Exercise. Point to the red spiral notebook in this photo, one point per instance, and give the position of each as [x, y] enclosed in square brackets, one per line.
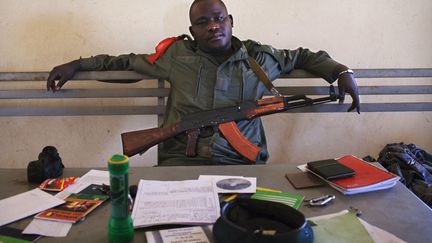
[367, 177]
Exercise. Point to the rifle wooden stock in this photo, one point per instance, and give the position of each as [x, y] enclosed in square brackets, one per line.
[136, 142]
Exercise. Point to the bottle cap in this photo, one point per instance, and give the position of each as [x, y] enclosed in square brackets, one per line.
[118, 159]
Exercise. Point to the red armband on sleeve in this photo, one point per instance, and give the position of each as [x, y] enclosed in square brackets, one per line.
[161, 48]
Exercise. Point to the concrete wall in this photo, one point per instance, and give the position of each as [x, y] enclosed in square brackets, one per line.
[37, 35]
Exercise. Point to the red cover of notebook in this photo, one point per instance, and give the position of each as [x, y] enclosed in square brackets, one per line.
[366, 174]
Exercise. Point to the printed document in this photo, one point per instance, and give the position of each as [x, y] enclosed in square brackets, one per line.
[195, 234]
[192, 202]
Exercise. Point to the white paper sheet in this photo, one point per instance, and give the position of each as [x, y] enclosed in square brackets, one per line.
[379, 235]
[175, 202]
[197, 234]
[26, 204]
[48, 228]
[96, 177]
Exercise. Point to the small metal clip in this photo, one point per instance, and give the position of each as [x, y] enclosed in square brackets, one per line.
[321, 201]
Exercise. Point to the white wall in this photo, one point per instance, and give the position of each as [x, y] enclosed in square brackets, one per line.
[37, 35]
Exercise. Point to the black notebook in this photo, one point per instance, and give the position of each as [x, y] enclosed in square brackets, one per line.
[330, 169]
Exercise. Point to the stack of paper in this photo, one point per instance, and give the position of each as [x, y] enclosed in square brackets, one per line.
[367, 177]
[191, 202]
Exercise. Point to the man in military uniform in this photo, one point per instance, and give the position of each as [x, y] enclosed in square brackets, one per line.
[213, 71]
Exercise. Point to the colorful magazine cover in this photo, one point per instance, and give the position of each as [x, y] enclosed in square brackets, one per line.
[57, 184]
[77, 206]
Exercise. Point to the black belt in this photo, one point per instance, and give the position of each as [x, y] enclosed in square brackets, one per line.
[246, 220]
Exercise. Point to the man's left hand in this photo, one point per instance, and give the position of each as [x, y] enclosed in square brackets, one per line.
[347, 83]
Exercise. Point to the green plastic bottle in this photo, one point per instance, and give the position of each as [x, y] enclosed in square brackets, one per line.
[120, 226]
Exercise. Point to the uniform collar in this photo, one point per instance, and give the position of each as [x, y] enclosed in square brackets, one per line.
[239, 54]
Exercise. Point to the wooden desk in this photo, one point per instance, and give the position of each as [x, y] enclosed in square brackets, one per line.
[396, 210]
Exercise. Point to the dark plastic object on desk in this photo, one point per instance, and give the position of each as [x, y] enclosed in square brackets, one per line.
[48, 165]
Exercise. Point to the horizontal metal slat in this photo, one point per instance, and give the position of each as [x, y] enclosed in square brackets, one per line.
[363, 90]
[393, 73]
[80, 111]
[163, 92]
[85, 75]
[372, 73]
[83, 93]
[368, 107]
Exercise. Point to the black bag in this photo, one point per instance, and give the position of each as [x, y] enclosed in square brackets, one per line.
[413, 165]
[247, 220]
[48, 165]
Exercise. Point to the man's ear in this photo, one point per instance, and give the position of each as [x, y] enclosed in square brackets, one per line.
[231, 19]
[191, 31]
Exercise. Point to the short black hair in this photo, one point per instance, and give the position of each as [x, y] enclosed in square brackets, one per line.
[197, 1]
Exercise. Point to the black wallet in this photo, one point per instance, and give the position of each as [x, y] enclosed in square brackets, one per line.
[330, 169]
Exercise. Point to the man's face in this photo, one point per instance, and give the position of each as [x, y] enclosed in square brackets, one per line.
[211, 26]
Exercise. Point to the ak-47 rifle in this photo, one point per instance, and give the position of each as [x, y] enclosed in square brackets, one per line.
[135, 142]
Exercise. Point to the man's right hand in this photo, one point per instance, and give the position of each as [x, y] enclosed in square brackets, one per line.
[62, 73]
